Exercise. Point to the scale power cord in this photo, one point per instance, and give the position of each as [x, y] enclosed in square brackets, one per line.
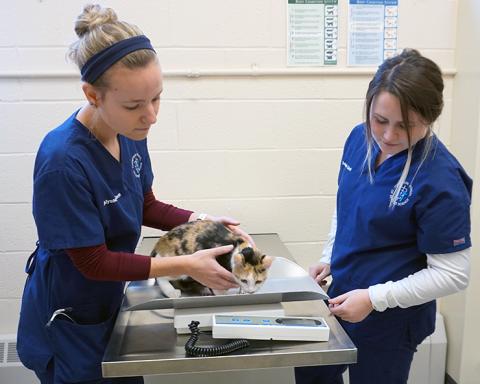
[210, 350]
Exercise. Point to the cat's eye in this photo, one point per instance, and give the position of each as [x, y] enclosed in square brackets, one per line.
[244, 281]
[258, 281]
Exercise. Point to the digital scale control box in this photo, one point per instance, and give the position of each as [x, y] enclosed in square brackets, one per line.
[269, 328]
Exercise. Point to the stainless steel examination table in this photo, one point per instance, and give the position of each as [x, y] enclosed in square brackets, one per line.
[144, 340]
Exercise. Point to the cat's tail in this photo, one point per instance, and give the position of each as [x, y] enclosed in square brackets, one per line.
[153, 253]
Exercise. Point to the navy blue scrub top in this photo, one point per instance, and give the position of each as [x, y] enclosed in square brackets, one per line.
[82, 197]
[375, 243]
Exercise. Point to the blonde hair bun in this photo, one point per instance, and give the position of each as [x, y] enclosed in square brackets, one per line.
[94, 15]
[97, 28]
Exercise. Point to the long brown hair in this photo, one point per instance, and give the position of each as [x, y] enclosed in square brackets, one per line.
[417, 83]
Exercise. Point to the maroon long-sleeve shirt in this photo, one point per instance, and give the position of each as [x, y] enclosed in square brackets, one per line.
[99, 263]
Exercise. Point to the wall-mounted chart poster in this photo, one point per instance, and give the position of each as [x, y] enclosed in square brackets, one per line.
[312, 30]
[372, 31]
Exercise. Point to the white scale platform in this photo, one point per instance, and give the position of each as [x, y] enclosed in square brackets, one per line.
[287, 281]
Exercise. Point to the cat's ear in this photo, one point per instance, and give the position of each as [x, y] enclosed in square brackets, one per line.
[238, 241]
[267, 261]
[247, 252]
[238, 259]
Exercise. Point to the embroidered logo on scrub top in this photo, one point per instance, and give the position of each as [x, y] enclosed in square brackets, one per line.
[347, 167]
[404, 194]
[112, 201]
[136, 164]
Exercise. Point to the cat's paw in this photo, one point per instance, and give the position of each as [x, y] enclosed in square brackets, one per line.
[173, 293]
[218, 292]
[206, 292]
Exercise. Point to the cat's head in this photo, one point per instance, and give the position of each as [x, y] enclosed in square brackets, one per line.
[250, 268]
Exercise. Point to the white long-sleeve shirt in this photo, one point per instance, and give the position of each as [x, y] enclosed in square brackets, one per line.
[445, 274]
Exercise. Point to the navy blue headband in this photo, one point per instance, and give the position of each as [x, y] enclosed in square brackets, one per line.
[101, 61]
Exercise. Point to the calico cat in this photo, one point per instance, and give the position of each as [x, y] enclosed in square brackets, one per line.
[248, 264]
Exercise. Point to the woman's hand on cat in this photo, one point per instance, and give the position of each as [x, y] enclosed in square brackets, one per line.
[234, 226]
[204, 268]
[319, 272]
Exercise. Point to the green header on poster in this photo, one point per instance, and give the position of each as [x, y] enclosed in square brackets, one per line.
[326, 2]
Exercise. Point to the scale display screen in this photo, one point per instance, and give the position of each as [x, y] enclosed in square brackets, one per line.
[273, 321]
[269, 327]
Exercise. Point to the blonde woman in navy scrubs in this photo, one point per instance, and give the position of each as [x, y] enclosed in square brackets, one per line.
[92, 194]
[400, 236]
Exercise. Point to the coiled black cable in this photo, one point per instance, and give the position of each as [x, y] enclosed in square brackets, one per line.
[210, 350]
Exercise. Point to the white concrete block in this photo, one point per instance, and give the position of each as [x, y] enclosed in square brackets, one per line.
[163, 134]
[276, 88]
[45, 59]
[236, 174]
[278, 28]
[298, 87]
[191, 59]
[267, 124]
[191, 89]
[9, 25]
[197, 24]
[9, 59]
[24, 124]
[10, 310]
[12, 265]
[448, 82]
[426, 24]
[49, 23]
[58, 89]
[255, 58]
[342, 58]
[443, 126]
[18, 228]
[220, 23]
[151, 16]
[248, 23]
[10, 90]
[342, 10]
[16, 178]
